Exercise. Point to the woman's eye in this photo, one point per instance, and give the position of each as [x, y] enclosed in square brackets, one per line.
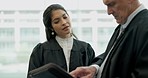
[65, 17]
[56, 22]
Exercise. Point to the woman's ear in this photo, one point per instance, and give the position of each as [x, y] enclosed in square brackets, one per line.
[51, 29]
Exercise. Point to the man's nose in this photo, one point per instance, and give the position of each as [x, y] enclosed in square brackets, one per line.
[109, 10]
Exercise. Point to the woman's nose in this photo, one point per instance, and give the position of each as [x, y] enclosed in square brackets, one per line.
[64, 21]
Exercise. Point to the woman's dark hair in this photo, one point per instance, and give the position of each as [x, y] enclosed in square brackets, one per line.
[47, 20]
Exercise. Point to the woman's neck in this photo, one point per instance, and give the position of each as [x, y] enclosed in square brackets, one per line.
[66, 36]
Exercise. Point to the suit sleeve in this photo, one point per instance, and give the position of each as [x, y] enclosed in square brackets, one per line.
[35, 60]
[141, 57]
[98, 60]
[91, 53]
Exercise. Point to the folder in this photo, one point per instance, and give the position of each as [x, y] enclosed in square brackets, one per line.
[53, 69]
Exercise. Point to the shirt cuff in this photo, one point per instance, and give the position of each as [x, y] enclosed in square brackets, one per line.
[97, 67]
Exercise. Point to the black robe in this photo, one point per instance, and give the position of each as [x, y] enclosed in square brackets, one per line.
[129, 57]
[82, 54]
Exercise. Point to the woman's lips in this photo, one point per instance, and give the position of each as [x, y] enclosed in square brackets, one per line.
[65, 28]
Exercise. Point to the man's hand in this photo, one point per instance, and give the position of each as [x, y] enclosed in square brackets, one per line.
[84, 72]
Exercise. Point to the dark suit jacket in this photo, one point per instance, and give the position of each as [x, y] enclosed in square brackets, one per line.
[129, 57]
[82, 54]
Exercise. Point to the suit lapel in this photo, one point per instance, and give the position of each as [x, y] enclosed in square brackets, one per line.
[113, 45]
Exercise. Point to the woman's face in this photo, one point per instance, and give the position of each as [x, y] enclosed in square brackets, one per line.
[61, 23]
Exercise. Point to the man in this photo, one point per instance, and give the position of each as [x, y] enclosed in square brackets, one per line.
[126, 55]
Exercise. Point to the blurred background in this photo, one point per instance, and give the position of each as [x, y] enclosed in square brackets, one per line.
[21, 28]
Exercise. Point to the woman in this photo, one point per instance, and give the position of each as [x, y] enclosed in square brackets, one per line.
[61, 47]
